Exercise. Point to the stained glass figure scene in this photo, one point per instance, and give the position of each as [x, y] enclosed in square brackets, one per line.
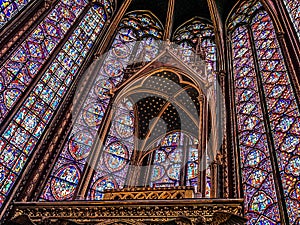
[28, 125]
[175, 162]
[10, 9]
[132, 34]
[187, 37]
[114, 162]
[23, 64]
[278, 98]
[293, 9]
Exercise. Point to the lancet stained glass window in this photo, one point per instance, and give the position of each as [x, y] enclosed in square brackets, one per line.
[187, 36]
[10, 8]
[258, 178]
[167, 162]
[113, 165]
[176, 160]
[293, 8]
[28, 125]
[18, 71]
[272, 79]
[136, 31]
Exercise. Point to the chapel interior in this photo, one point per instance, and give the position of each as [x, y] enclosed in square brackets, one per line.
[139, 112]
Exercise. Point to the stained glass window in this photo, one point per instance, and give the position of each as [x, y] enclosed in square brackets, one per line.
[282, 114]
[132, 34]
[172, 163]
[28, 125]
[293, 8]
[112, 168]
[208, 178]
[10, 8]
[187, 36]
[18, 71]
[175, 162]
[147, 32]
[168, 162]
[258, 179]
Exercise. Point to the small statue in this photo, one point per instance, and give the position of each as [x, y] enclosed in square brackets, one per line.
[199, 51]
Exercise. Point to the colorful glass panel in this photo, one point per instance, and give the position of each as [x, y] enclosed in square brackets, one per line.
[10, 8]
[148, 32]
[282, 114]
[18, 71]
[283, 111]
[208, 181]
[98, 98]
[168, 162]
[293, 8]
[176, 160]
[29, 123]
[187, 37]
[241, 15]
[143, 24]
[257, 176]
[192, 163]
[115, 157]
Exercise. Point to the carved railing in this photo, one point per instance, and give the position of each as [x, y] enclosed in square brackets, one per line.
[150, 193]
[129, 211]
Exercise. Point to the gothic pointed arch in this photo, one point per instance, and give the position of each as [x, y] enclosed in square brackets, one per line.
[187, 36]
[166, 125]
[135, 38]
[266, 114]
